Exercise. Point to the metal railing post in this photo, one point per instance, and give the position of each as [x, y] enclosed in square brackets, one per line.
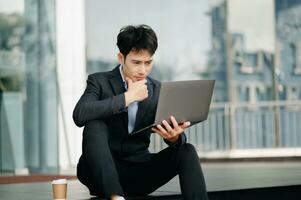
[232, 125]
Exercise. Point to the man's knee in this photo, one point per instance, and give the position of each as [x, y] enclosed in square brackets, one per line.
[187, 148]
[187, 151]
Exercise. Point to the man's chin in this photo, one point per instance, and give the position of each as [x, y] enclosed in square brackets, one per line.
[138, 79]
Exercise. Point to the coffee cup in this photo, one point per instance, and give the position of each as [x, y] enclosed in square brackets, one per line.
[59, 189]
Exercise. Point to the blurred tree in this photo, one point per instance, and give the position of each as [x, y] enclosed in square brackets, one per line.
[11, 34]
[11, 42]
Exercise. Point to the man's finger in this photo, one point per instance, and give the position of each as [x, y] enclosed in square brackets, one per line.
[156, 130]
[174, 123]
[167, 127]
[163, 131]
[185, 125]
[142, 82]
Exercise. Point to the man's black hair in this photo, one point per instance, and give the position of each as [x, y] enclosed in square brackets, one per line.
[137, 38]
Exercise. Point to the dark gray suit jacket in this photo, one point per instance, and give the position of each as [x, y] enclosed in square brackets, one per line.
[104, 100]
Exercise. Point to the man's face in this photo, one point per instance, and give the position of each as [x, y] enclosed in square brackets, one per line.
[136, 65]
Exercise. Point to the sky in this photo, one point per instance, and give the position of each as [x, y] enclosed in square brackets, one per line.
[182, 28]
[256, 20]
[10, 6]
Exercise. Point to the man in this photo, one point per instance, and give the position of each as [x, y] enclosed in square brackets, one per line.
[115, 163]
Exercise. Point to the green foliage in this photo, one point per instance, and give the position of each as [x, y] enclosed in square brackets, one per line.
[9, 84]
[9, 27]
[11, 38]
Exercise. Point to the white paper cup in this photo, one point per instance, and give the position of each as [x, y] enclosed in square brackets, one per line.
[59, 189]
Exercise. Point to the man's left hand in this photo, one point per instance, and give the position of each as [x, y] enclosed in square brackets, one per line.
[169, 133]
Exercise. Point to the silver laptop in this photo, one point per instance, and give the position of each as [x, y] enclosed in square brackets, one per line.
[185, 100]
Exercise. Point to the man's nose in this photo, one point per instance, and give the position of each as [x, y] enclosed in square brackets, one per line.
[142, 69]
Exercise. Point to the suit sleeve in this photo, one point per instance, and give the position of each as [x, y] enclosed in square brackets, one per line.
[91, 107]
[182, 140]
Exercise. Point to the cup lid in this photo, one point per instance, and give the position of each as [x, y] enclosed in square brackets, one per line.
[59, 181]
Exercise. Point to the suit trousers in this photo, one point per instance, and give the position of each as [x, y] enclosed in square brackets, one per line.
[105, 175]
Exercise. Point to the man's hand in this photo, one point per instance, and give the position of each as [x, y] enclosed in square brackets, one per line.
[137, 91]
[169, 133]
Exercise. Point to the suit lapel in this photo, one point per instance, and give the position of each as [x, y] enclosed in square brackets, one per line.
[117, 85]
[116, 81]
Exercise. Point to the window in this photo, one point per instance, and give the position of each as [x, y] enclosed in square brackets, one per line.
[297, 58]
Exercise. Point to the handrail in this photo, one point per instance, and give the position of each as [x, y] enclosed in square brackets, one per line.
[257, 104]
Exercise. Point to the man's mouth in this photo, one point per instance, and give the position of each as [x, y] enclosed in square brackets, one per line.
[139, 78]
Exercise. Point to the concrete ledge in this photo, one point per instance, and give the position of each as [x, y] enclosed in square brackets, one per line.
[253, 154]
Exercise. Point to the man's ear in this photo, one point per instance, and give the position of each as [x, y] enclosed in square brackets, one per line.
[120, 58]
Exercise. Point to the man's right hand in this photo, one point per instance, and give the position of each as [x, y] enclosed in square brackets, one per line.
[137, 91]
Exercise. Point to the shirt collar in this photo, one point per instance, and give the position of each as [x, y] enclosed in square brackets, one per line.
[124, 82]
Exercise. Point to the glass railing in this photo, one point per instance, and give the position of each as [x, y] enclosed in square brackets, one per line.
[264, 125]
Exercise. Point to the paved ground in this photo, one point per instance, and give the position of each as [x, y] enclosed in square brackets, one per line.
[219, 177]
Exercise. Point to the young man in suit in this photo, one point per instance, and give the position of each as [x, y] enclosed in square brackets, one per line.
[115, 163]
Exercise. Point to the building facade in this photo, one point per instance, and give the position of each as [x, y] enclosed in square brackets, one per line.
[288, 32]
